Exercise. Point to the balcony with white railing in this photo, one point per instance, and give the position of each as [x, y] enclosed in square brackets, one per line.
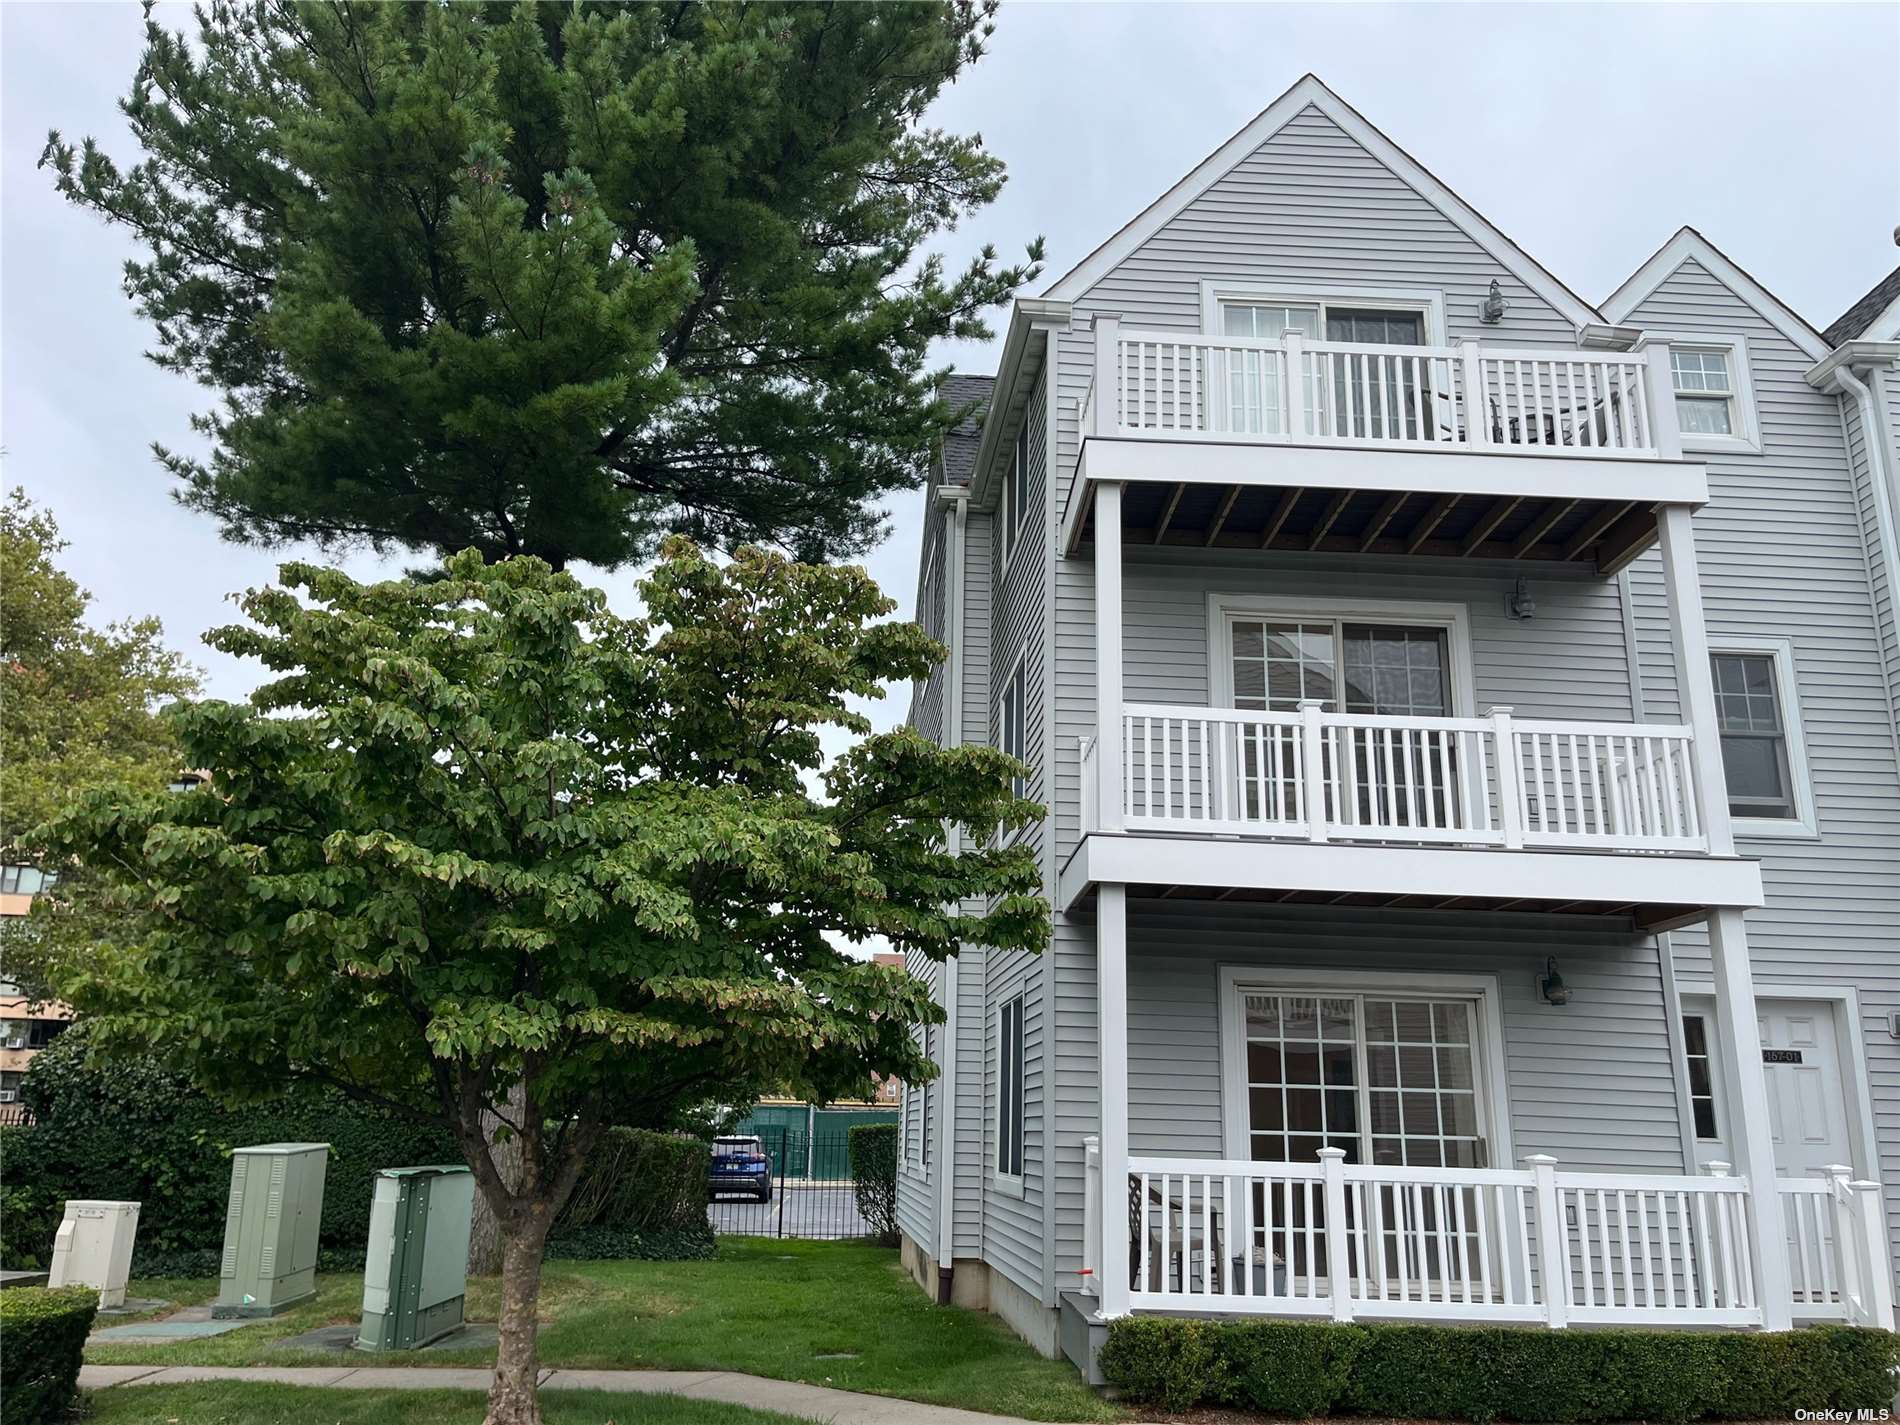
[1493, 781]
[1530, 1245]
[1540, 454]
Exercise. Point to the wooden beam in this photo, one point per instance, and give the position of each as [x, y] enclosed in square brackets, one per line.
[1626, 539]
[1325, 525]
[1167, 515]
[1382, 519]
[1220, 516]
[1554, 512]
[1594, 527]
[1499, 512]
[1434, 517]
[1279, 515]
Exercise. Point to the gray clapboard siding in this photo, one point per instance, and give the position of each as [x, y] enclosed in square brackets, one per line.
[1308, 206]
[1782, 553]
[927, 693]
[916, 1184]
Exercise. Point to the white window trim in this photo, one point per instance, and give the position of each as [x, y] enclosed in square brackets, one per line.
[911, 1160]
[1804, 825]
[1428, 302]
[1018, 667]
[1011, 1183]
[1455, 618]
[1493, 1098]
[1746, 438]
[1703, 1008]
[1009, 519]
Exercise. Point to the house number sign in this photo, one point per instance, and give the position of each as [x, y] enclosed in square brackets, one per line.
[1781, 1056]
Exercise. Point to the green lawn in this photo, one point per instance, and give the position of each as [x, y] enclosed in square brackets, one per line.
[243, 1403]
[824, 1312]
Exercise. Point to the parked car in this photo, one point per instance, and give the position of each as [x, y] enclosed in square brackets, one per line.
[739, 1164]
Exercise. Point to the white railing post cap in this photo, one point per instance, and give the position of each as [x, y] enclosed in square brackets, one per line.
[1718, 1168]
[1332, 1152]
[1101, 317]
[1539, 1159]
[1500, 708]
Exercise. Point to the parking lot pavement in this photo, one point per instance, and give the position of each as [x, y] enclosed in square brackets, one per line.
[821, 1211]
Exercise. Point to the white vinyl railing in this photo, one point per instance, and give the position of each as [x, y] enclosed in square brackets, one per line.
[1174, 385]
[1837, 1259]
[1326, 776]
[1533, 1245]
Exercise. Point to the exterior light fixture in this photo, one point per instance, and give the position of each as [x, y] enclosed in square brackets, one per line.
[1520, 604]
[1493, 308]
[1551, 985]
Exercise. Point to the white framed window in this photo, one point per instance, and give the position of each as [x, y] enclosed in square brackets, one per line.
[1412, 316]
[1714, 391]
[1392, 1068]
[1009, 1091]
[1013, 504]
[1011, 721]
[1764, 755]
[1385, 656]
[1698, 1038]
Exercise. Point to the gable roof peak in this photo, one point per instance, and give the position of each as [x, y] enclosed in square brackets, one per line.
[1688, 244]
[1309, 91]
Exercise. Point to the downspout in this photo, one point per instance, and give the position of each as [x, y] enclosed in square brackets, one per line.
[955, 519]
[1875, 441]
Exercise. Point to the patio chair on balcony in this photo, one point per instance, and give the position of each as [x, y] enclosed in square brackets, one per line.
[1189, 1227]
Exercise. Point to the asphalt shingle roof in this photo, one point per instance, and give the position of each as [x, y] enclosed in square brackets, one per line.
[1855, 319]
[959, 446]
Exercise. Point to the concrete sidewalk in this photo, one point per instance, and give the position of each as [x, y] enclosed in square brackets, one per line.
[815, 1402]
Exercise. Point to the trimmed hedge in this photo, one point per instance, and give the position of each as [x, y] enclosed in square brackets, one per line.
[45, 1334]
[1465, 1373]
[873, 1148]
[602, 1242]
[135, 1130]
[642, 1182]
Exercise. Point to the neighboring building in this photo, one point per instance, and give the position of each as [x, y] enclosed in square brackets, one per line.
[25, 1027]
[1467, 719]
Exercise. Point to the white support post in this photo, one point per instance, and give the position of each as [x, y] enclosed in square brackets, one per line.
[1108, 375]
[1108, 654]
[1873, 1237]
[1665, 426]
[1092, 1215]
[1695, 685]
[1293, 385]
[1111, 1019]
[1332, 1164]
[1510, 779]
[1477, 403]
[1846, 1234]
[1553, 1242]
[1313, 767]
[1739, 1034]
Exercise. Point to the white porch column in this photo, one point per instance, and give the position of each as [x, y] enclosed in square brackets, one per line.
[1108, 658]
[1111, 1021]
[1695, 686]
[1739, 1037]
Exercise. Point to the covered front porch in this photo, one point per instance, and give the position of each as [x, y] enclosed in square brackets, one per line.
[1322, 1113]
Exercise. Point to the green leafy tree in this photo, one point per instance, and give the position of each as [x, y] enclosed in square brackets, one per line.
[553, 279]
[78, 704]
[480, 832]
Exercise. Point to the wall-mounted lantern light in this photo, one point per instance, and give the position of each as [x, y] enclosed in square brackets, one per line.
[1520, 603]
[1551, 985]
[1493, 308]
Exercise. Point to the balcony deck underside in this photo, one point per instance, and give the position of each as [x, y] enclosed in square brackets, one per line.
[1649, 892]
[1597, 515]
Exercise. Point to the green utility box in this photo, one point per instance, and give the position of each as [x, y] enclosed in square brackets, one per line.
[417, 1270]
[270, 1229]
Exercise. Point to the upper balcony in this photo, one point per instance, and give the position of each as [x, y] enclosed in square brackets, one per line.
[1543, 455]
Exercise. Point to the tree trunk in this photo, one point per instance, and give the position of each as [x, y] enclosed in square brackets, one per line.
[512, 1398]
[484, 1232]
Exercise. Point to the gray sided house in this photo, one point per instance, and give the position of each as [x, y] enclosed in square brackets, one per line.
[1466, 716]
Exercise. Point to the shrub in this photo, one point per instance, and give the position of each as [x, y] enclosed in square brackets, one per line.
[134, 1129]
[642, 1182]
[873, 1150]
[628, 1244]
[45, 1333]
[1466, 1373]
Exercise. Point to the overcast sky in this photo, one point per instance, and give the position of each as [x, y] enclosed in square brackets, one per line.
[1588, 133]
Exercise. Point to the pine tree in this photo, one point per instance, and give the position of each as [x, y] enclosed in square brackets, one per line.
[553, 279]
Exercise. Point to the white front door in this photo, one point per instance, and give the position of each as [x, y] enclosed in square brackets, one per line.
[1801, 1062]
